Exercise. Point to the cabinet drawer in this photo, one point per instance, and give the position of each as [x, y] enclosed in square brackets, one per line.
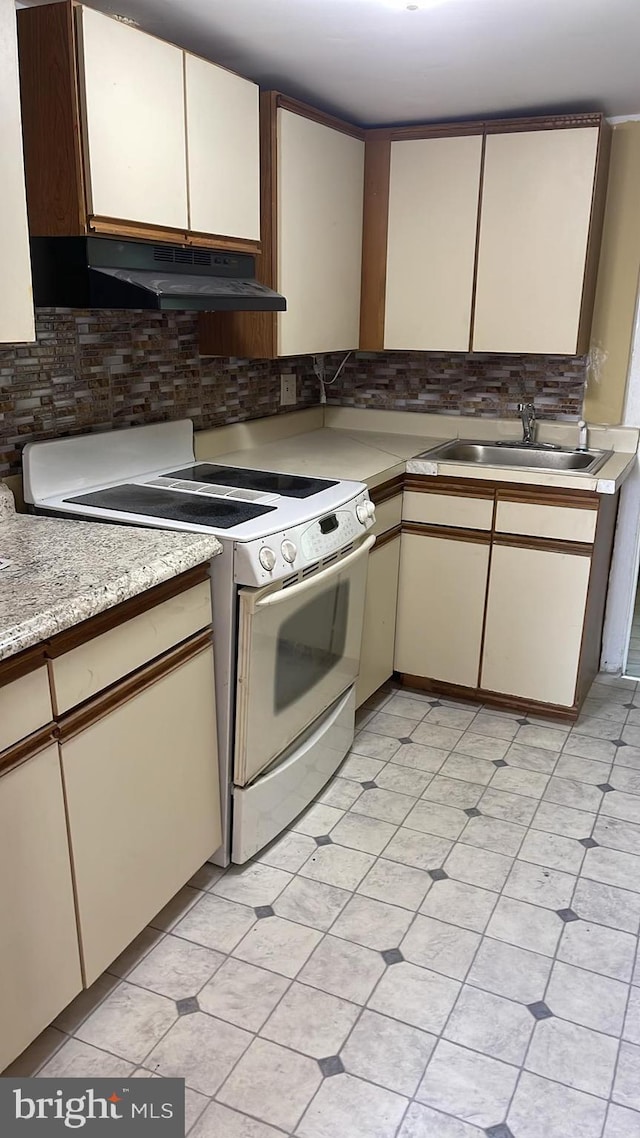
[448, 510]
[88, 669]
[25, 705]
[561, 522]
[388, 515]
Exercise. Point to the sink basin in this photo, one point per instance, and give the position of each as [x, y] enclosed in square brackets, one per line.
[529, 456]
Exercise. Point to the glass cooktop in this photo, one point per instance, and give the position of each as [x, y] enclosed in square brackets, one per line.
[290, 485]
[219, 513]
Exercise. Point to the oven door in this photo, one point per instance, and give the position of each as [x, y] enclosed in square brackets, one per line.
[298, 650]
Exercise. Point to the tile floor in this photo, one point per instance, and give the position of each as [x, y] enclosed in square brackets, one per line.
[633, 659]
[443, 946]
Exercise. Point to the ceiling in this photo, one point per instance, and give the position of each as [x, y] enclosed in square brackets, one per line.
[376, 62]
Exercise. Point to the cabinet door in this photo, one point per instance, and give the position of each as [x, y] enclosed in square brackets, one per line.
[534, 228]
[319, 235]
[379, 630]
[16, 300]
[223, 148]
[39, 958]
[134, 123]
[441, 598]
[144, 806]
[431, 248]
[535, 617]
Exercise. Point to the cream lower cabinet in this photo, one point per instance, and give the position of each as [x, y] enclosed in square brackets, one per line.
[39, 958]
[379, 632]
[535, 619]
[441, 599]
[143, 800]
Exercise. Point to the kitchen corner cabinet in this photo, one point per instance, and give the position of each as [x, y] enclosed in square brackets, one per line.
[16, 299]
[502, 591]
[126, 135]
[379, 625]
[312, 210]
[483, 236]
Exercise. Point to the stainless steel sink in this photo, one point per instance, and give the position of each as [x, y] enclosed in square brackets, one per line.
[532, 456]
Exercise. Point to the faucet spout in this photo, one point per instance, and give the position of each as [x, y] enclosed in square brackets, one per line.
[527, 413]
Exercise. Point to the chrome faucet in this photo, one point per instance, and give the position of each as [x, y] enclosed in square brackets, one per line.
[528, 415]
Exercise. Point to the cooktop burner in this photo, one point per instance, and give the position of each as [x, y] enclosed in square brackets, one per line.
[148, 502]
[290, 485]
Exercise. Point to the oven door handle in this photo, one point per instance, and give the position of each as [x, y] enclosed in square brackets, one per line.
[282, 595]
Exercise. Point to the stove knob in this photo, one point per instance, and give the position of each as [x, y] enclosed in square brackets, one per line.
[267, 558]
[371, 510]
[289, 551]
[362, 513]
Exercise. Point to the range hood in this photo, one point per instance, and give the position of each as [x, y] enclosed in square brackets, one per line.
[100, 272]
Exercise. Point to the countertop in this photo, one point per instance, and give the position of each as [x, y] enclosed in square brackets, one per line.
[63, 572]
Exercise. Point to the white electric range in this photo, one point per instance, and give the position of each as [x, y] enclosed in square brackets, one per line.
[288, 597]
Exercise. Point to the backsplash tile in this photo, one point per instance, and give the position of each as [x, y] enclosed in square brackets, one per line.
[98, 369]
[460, 384]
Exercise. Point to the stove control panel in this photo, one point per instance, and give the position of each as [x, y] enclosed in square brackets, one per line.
[299, 547]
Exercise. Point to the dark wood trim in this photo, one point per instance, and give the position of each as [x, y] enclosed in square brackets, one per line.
[253, 335]
[384, 538]
[492, 699]
[15, 667]
[449, 533]
[487, 126]
[27, 748]
[78, 720]
[140, 231]
[375, 227]
[51, 121]
[476, 256]
[544, 544]
[119, 614]
[485, 611]
[543, 496]
[596, 225]
[386, 490]
[454, 488]
[591, 646]
[308, 112]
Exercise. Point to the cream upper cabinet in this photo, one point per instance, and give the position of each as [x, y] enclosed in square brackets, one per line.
[431, 246]
[536, 209]
[16, 300]
[134, 123]
[223, 150]
[319, 235]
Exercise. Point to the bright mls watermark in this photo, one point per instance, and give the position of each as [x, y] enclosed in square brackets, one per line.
[128, 1108]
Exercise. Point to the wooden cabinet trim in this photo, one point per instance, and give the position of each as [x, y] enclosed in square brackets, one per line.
[540, 496]
[434, 484]
[596, 224]
[449, 533]
[386, 537]
[139, 231]
[375, 230]
[27, 748]
[492, 699]
[474, 285]
[387, 490]
[486, 126]
[308, 112]
[119, 614]
[547, 545]
[21, 665]
[124, 690]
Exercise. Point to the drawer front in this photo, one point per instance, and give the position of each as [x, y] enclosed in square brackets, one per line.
[388, 515]
[448, 510]
[25, 706]
[88, 669]
[561, 522]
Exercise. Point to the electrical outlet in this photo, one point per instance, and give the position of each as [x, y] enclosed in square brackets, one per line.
[287, 390]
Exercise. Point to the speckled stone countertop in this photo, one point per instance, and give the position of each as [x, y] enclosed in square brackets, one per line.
[63, 572]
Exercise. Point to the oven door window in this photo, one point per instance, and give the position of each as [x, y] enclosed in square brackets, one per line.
[310, 644]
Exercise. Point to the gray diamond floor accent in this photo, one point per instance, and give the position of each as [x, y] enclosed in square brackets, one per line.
[262, 911]
[620, 743]
[437, 874]
[405, 740]
[539, 1010]
[588, 843]
[369, 785]
[500, 763]
[392, 956]
[567, 915]
[605, 787]
[332, 1065]
[472, 812]
[324, 839]
[501, 1131]
[523, 722]
[187, 1006]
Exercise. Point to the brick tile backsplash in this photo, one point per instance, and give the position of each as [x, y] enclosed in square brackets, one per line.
[97, 370]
